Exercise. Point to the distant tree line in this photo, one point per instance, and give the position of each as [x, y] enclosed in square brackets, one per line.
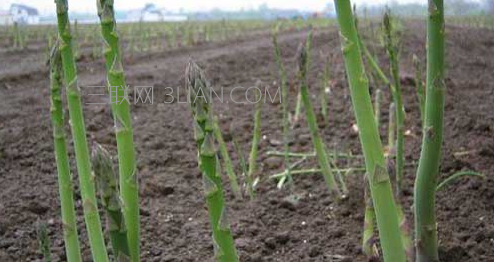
[452, 8]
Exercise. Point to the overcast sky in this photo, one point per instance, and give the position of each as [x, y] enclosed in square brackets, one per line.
[48, 6]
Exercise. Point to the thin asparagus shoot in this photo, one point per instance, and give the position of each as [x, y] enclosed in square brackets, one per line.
[298, 109]
[316, 170]
[373, 63]
[44, 241]
[369, 241]
[325, 89]
[341, 179]
[65, 187]
[282, 176]
[254, 146]
[86, 183]
[107, 184]
[241, 157]
[391, 129]
[208, 163]
[377, 107]
[380, 186]
[322, 157]
[284, 101]
[446, 182]
[420, 87]
[226, 159]
[313, 154]
[392, 48]
[127, 170]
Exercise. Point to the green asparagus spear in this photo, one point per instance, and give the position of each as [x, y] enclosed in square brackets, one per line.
[430, 156]
[227, 160]
[86, 183]
[107, 184]
[380, 186]
[203, 126]
[65, 186]
[322, 157]
[127, 170]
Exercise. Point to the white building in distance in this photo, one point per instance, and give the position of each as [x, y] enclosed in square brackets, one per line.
[23, 14]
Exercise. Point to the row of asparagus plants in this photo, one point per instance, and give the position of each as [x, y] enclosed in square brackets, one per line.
[391, 44]
[119, 195]
[326, 160]
[382, 205]
[123, 223]
[147, 36]
[431, 108]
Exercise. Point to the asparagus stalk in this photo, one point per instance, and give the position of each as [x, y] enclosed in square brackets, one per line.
[65, 187]
[15, 34]
[282, 176]
[322, 157]
[298, 109]
[241, 157]
[325, 87]
[393, 50]
[315, 170]
[313, 154]
[227, 160]
[43, 241]
[405, 231]
[107, 184]
[300, 103]
[380, 186]
[372, 62]
[123, 126]
[369, 246]
[377, 107]
[420, 87]
[254, 147]
[284, 101]
[203, 125]
[86, 183]
[430, 156]
[369, 240]
[338, 172]
[391, 129]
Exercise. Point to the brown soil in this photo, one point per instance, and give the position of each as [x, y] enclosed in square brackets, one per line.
[270, 228]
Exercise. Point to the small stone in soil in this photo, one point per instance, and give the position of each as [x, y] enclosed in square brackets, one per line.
[37, 208]
[270, 242]
[282, 237]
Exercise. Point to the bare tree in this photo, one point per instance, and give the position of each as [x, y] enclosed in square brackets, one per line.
[461, 7]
